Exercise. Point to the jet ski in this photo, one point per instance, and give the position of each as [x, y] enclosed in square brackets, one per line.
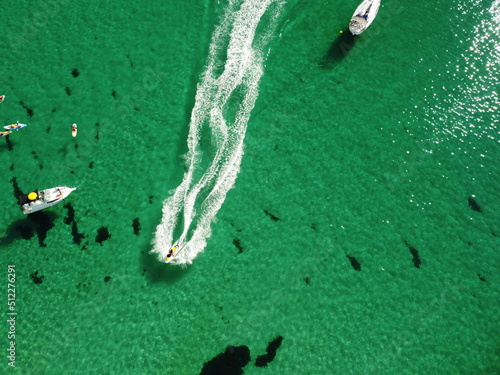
[174, 250]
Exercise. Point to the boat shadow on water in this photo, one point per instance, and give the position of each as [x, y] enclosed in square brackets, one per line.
[8, 143]
[38, 223]
[339, 49]
[157, 271]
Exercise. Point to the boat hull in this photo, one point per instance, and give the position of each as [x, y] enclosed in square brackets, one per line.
[16, 126]
[363, 16]
[40, 200]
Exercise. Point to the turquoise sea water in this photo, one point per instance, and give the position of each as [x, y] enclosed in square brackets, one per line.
[363, 224]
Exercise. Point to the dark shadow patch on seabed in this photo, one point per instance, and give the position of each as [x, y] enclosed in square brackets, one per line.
[339, 49]
[231, 362]
[97, 125]
[474, 205]
[102, 235]
[273, 218]
[29, 111]
[416, 258]
[83, 287]
[272, 348]
[136, 226]
[354, 263]
[38, 223]
[37, 279]
[71, 214]
[42, 222]
[237, 243]
[17, 190]
[77, 236]
[70, 220]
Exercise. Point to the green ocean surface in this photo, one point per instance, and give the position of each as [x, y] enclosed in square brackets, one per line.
[362, 227]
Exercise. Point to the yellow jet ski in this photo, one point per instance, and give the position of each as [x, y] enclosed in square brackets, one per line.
[172, 253]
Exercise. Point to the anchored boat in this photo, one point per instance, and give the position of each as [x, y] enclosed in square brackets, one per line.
[15, 126]
[363, 16]
[40, 199]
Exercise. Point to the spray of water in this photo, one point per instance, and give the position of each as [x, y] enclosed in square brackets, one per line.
[225, 97]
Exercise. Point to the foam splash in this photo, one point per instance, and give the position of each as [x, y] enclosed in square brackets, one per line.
[225, 97]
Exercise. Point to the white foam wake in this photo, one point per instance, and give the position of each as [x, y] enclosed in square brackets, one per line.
[224, 100]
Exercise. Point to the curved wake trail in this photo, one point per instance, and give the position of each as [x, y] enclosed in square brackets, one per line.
[224, 99]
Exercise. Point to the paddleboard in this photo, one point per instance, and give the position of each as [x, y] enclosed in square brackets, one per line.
[74, 130]
[5, 133]
[2, 97]
[15, 126]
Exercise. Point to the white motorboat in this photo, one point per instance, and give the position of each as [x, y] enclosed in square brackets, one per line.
[40, 199]
[364, 16]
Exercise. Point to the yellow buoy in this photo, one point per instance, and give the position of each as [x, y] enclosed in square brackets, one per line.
[32, 196]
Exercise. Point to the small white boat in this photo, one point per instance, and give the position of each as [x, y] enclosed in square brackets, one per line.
[40, 199]
[363, 16]
[15, 126]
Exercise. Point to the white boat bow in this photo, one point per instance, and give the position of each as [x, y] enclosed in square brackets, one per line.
[363, 16]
